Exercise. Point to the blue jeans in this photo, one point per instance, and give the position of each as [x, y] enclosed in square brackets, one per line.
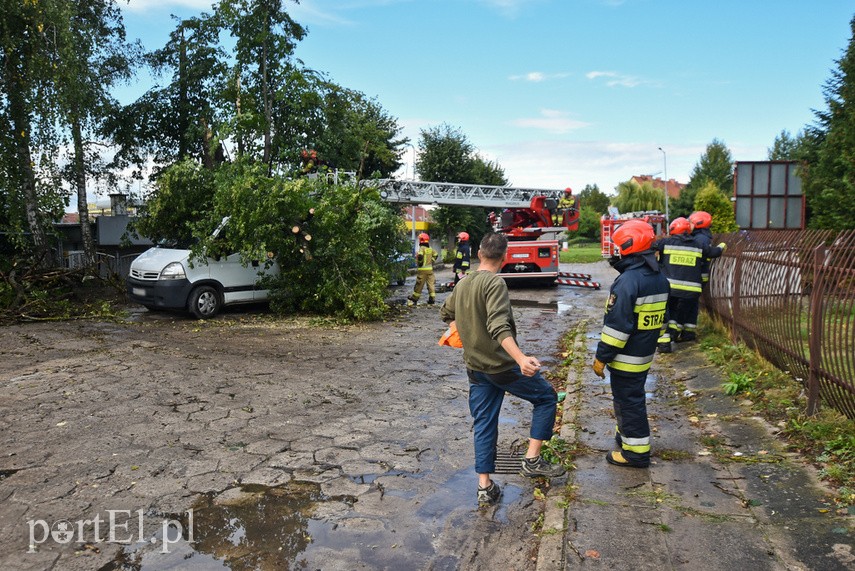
[486, 393]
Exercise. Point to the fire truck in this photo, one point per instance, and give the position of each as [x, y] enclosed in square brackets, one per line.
[610, 222]
[527, 216]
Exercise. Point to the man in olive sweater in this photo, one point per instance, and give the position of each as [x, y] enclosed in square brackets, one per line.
[481, 308]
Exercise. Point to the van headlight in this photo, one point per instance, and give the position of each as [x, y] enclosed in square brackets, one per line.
[173, 271]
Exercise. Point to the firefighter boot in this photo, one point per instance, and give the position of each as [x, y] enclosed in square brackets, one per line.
[412, 299]
[687, 335]
[431, 300]
[663, 344]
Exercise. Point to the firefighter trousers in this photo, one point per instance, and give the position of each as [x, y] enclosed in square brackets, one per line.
[630, 407]
[682, 315]
[425, 277]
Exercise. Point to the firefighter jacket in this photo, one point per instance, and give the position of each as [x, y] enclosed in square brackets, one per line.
[634, 315]
[461, 260]
[681, 257]
[425, 258]
[704, 237]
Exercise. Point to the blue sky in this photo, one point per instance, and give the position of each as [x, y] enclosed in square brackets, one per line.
[571, 92]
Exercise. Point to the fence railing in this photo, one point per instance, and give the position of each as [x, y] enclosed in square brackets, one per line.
[109, 265]
[790, 294]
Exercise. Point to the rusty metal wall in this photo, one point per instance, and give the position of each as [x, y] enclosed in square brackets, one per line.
[790, 294]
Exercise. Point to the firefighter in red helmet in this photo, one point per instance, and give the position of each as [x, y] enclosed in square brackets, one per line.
[634, 315]
[424, 271]
[701, 222]
[682, 256]
[462, 257]
[567, 203]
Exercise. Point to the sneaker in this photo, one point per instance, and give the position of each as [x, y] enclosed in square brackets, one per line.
[489, 495]
[538, 467]
[617, 459]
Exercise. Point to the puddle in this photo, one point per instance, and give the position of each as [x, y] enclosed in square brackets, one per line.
[254, 528]
[546, 306]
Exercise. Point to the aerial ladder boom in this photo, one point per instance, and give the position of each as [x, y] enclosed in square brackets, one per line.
[453, 194]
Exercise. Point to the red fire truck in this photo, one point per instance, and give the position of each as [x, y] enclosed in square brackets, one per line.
[531, 219]
[609, 223]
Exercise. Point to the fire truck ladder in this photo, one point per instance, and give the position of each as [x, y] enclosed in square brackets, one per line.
[453, 194]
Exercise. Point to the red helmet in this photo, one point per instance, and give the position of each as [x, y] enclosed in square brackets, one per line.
[700, 219]
[633, 236]
[424, 238]
[463, 236]
[680, 226]
[568, 191]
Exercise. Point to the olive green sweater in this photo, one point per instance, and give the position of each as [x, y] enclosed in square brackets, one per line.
[481, 307]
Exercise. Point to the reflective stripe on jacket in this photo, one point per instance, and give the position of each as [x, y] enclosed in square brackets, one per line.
[425, 258]
[682, 258]
[634, 315]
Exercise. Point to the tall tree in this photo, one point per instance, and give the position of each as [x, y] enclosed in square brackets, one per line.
[592, 197]
[716, 165]
[265, 38]
[92, 56]
[181, 118]
[28, 116]
[634, 197]
[829, 179]
[785, 147]
[446, 155]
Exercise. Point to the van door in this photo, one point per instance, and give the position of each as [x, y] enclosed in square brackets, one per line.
[238, 281]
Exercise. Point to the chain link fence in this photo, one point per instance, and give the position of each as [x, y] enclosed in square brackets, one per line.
[790, 294]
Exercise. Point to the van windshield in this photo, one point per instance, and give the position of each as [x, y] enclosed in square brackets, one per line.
[177, 244]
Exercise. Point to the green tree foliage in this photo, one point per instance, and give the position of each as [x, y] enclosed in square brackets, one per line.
[786, 147]
[829, 176]
[93, 56]
[183, 193]
[634, 197]
[338, 262]
[716, 165]
[711, 199]
[357, 134]
[446, 155]
[28, 119]
[182, 118]
[589, 223]
[593, 198]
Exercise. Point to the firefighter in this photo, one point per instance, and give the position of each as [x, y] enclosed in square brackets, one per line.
[634, 315]
[567, 202]
[424, 271]
[681, 256]
[701, 222]
[461, 258]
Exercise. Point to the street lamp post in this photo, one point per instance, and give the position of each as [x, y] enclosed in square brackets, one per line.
[413, 208]
[665, 174]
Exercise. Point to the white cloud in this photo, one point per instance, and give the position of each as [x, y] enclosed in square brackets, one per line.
[538, 76]
[614, 79]
[551, 120]
[557, 164]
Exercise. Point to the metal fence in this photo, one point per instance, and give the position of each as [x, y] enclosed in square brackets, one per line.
[109, 265]
[790, 294]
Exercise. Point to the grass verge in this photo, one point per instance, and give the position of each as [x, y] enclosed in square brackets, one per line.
[827, 439]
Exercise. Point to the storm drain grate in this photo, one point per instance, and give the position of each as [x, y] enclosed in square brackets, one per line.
[508, 463]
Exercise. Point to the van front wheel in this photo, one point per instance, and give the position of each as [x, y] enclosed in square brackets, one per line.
[204, 302]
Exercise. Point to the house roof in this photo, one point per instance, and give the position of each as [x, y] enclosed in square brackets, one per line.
[674, 187]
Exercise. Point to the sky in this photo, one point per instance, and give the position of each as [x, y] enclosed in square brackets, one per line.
[569, 92]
